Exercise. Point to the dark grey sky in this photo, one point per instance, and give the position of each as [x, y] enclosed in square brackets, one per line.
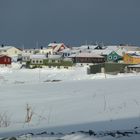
[70, 21]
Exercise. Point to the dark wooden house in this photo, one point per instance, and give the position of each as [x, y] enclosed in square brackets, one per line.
[88, 58]
[5, 60]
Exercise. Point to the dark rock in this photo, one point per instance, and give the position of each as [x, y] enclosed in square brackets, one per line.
[52, 133]
[12, 138]
[43, 133]
[91, 132]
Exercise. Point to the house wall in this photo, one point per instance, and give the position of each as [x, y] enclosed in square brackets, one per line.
[89, 60]
[132, 69]
[108, 68]
[25, 58]
[5, 60]
[131, 60]
[113, 57]
[128, 59]
[12, 52]
[37, 61]
[45, 51]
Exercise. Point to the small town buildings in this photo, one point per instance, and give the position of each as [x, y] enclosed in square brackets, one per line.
[113, 57]
[11, 51]
[47, 51]
[56, 47]
[26, 57]
[110, 68]
[37, 59]
[30, 51]
[132, 58]
[27, 53]
[133, 68]
[5, 60]
[54, 58]
[87, 58]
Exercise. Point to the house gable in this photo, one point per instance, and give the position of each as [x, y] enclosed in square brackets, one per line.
[113, 56]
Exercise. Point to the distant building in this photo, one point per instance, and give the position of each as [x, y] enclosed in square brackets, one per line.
[87, 58]
[37, 59]
[5, 60]
[10, 51]
[114, 57]
[132, 58]
[56, 47]
[133, 68]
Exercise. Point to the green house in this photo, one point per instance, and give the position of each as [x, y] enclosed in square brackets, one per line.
[113, 57]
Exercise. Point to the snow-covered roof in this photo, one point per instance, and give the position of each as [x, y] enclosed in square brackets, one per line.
[55, 44]
[2, 55]
[112, 47]
[102, 52]
[5, 47]
[66, 50]
[134, 52]
[72, 55]
[38, 56]
[130, 48]
[87, 55]
[88, 46]
[134, 66]
[134, 55]
[54, 56]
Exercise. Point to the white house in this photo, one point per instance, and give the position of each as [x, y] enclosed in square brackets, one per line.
[48, 50]
[30, 51]
[10, 51]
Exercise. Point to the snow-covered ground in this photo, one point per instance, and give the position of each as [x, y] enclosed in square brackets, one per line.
[68, 100]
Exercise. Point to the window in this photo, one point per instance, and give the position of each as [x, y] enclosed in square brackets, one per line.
[110, 57]
[115, 57]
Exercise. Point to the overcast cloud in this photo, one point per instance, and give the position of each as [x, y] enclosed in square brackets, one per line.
[74, 22]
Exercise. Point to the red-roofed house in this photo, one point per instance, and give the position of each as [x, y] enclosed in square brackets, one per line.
[57, 47]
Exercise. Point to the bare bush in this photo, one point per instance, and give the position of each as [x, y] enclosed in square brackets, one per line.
[29, 114]
[4, 120]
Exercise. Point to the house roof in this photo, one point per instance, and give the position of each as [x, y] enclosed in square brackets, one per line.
[88, 46]
[5, 47]
[66, 50]
[38, 56]
[54, 56]
[134, 66]
[102, 52]
[89, 55]
[2, 55]
[56, 46]
[134, 55]
[112, 47]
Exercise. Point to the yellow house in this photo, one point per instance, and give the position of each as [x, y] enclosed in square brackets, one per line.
[131, 58]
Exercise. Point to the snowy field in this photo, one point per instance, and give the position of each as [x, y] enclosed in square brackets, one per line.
[68, 100]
